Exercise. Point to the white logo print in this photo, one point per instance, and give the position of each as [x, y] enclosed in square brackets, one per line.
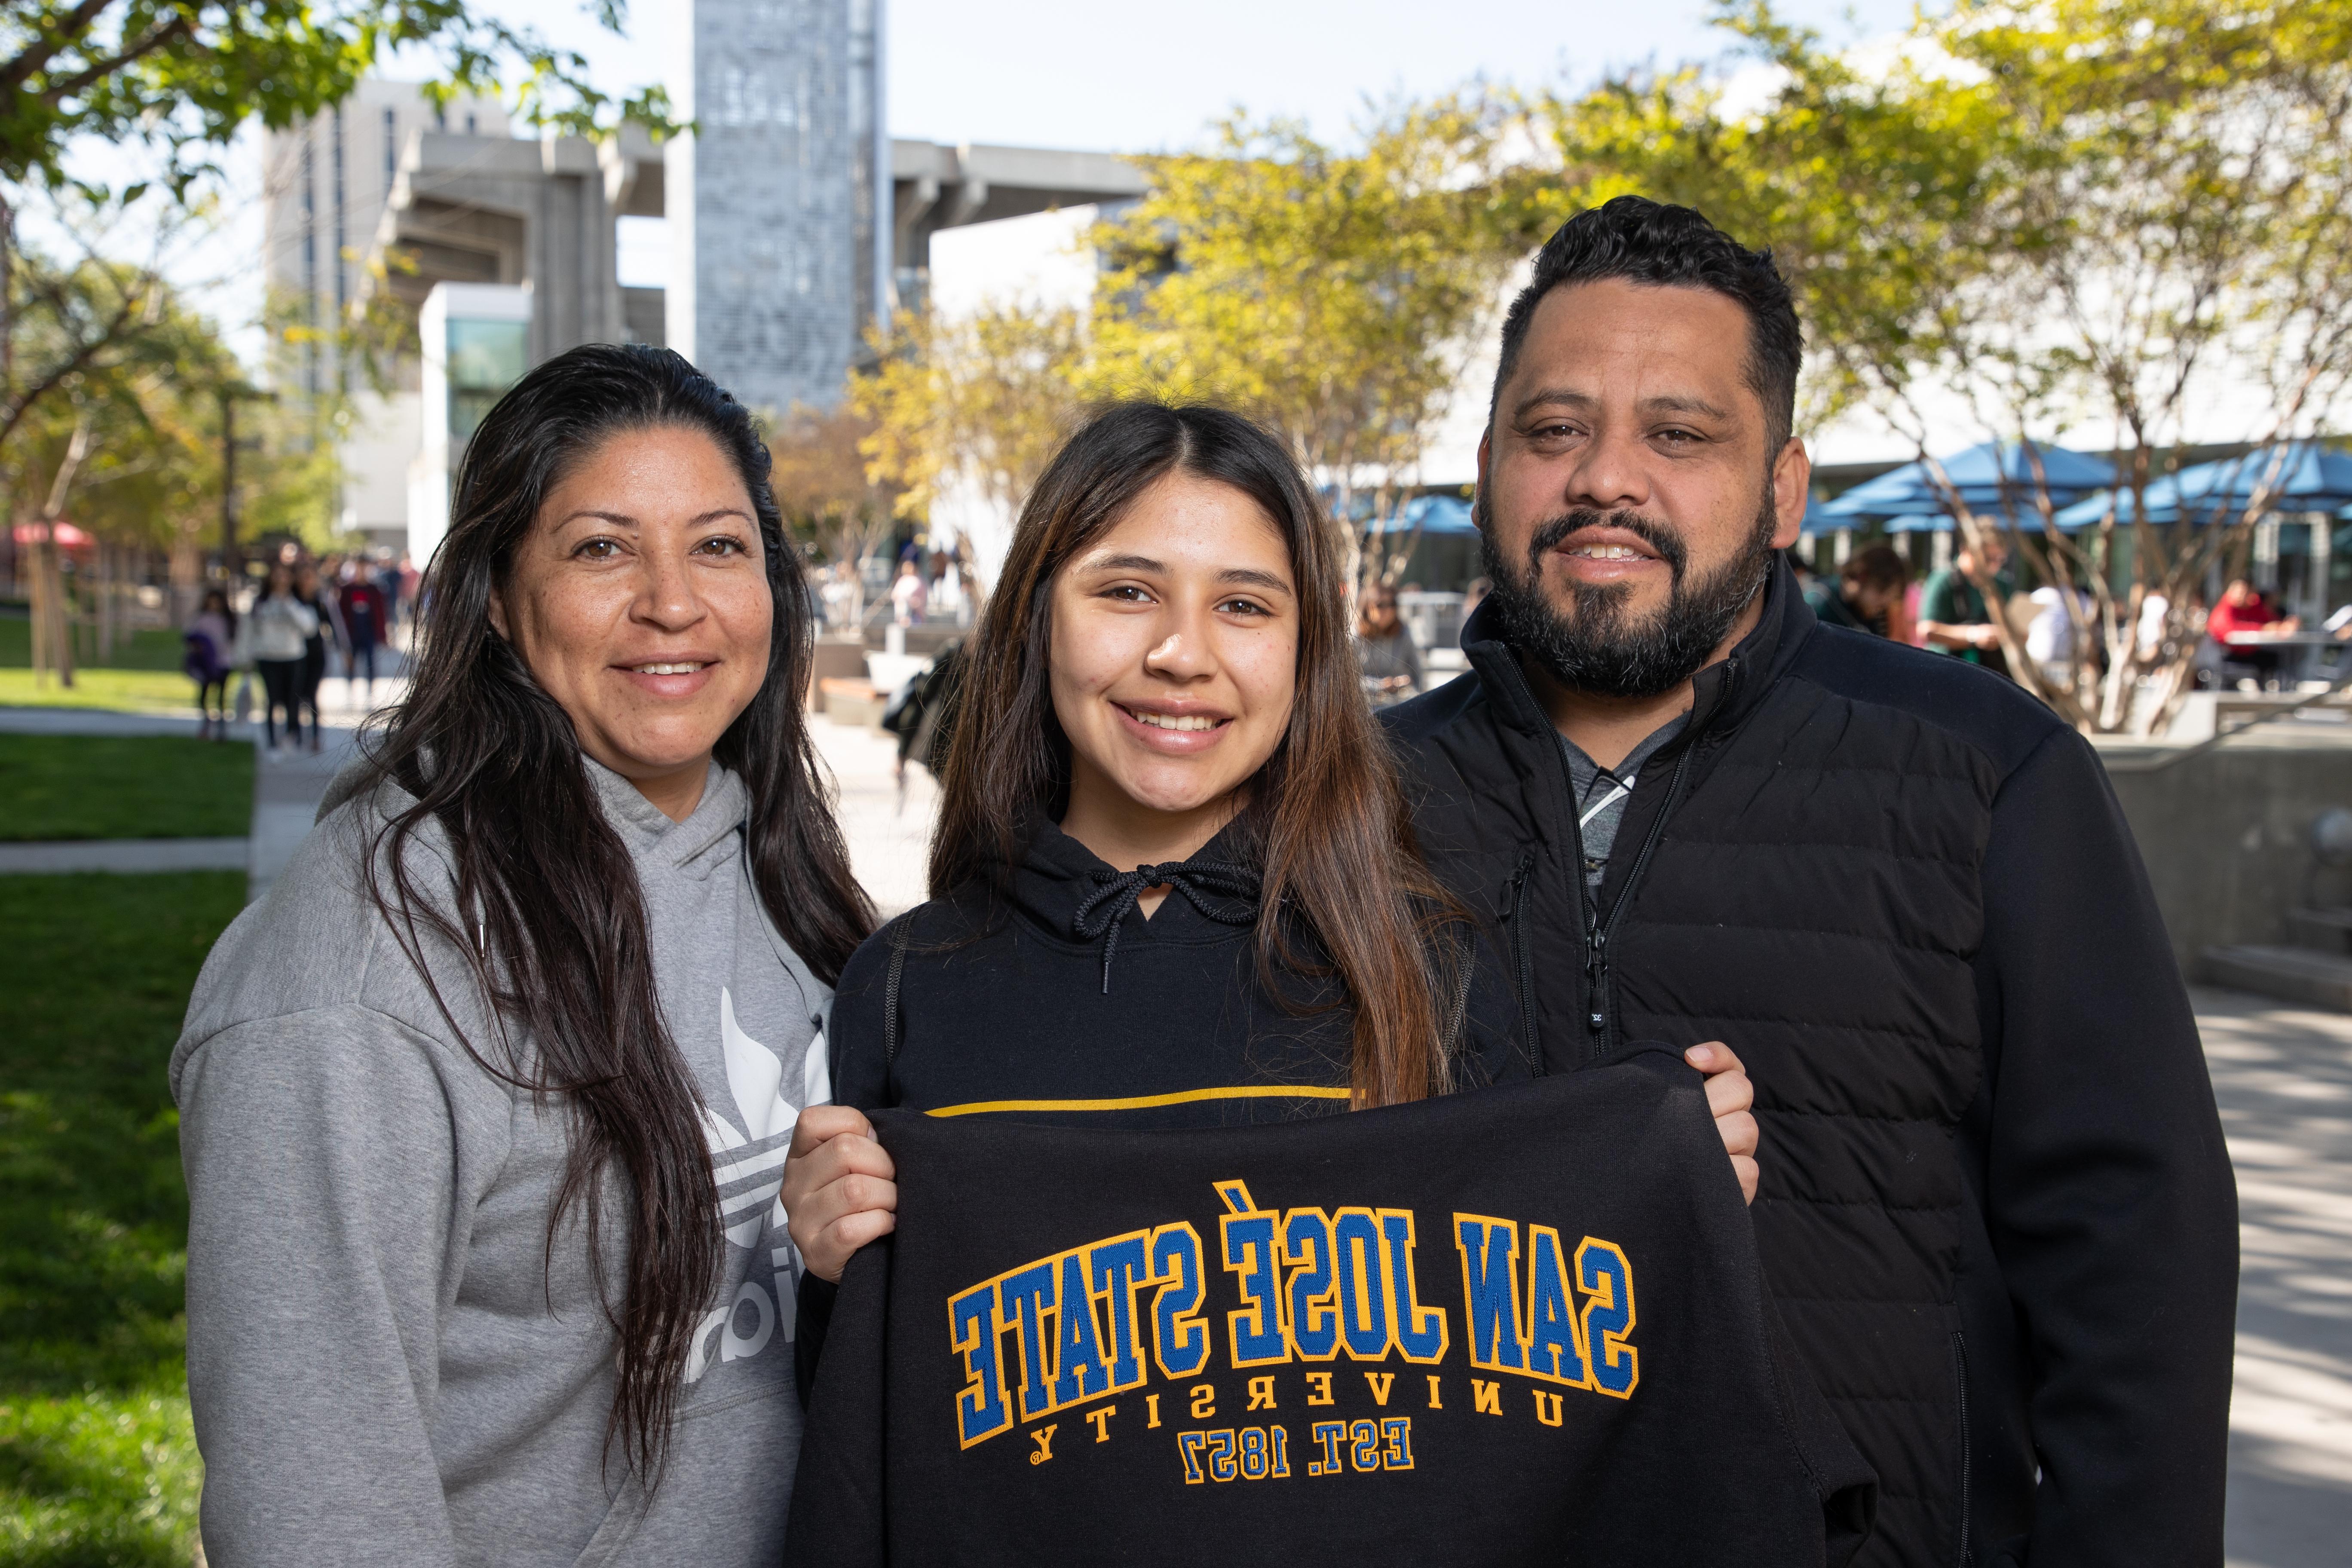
[749, 1171]
[755, 1076]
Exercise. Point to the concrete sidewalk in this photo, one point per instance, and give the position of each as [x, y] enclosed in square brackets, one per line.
[2284, 1079]
[287, 790]
[889, 829]
[91, 722]
[37, 858]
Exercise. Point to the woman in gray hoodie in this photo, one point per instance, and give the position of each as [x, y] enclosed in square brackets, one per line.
[485, 1107]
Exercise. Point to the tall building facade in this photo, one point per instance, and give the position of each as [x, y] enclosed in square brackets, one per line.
[778, 228]
[326, 182]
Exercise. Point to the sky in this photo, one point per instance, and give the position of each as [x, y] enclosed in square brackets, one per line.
[1121, 78]
[1144, 79]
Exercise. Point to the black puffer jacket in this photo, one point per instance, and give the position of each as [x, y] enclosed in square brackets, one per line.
[1995, 1207]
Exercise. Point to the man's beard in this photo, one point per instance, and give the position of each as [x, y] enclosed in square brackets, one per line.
[1594, 646]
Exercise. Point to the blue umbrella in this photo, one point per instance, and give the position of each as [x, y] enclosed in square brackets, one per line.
[1819, 521]
[1908, 500]
[2308, 477]
[1433, 514]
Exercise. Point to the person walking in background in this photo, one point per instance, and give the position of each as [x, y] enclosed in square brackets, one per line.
[282, 627]
[482, 1105]
[1954, 617]
[1866, 595]
[2050, 639]
[923, 716]
[310, 588]
[1385, 652]
[385, 575]
[209, 652]
[408, 584]
[366, 623]
[908, 596]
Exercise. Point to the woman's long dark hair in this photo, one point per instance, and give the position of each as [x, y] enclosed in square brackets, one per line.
[548, 909]
[1326, 813]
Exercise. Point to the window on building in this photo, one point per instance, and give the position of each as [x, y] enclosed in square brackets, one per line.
[391, 147]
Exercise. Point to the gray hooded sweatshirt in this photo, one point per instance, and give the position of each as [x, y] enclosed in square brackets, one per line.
[387, 1364]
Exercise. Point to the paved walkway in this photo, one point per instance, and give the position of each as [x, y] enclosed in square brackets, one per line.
[889, 829]
[91, 722]
[125, 855]
[2283, 1078]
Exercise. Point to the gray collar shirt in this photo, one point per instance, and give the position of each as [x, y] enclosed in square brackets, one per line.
[1601, 792]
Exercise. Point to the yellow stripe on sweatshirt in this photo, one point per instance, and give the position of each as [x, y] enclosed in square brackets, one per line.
[1144, 1101]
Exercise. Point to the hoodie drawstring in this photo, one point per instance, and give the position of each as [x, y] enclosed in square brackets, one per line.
[1116, 893]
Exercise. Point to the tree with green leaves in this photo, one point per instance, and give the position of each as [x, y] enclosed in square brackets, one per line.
[974, 403]
[184, 76]
[1337, 295]
[101, 343]
[180, 79]
[828, 496]
[2072, 212]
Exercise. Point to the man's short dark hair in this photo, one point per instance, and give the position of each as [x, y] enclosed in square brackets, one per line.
[1642, 241]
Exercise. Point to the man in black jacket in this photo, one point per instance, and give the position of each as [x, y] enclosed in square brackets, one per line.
[1995, 1204]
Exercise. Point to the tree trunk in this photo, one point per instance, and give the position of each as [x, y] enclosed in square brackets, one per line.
[110, 603]
[53, 651]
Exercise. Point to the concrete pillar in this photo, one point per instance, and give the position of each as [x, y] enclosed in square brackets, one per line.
[573, 265]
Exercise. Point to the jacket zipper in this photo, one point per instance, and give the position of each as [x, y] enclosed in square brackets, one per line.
[1960, 1369]
[1515, 916]
[1603, 1015]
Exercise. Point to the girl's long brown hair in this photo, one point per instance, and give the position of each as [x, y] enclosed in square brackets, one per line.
[1326, 813]
[547, 915]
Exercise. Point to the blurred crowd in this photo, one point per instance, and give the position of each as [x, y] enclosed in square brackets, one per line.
[2244, 644]
[275, 641]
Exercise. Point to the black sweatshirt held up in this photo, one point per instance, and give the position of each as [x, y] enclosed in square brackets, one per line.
[1524, 1325]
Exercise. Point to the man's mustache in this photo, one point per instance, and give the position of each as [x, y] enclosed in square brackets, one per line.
[1548, 536]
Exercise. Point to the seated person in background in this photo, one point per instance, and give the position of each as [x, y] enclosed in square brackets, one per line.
[2244, 609]
[1866, 594]
[1953, 616]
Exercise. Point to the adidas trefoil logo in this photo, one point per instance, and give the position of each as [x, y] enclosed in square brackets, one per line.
[755, 1076]
[751, 1161]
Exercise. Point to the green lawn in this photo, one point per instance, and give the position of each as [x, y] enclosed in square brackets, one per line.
[97, 1462]
[143, 676]
[124, 787]
[154, 648]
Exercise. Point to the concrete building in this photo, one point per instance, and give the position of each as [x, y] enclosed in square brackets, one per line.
[326, 185]
[781, 258]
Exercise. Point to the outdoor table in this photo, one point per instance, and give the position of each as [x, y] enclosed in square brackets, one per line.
[2300, 653]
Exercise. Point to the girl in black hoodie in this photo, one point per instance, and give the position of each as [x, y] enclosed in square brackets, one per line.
[1174, 881]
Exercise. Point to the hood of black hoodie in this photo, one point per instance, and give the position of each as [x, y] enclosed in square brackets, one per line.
[1055, 877]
